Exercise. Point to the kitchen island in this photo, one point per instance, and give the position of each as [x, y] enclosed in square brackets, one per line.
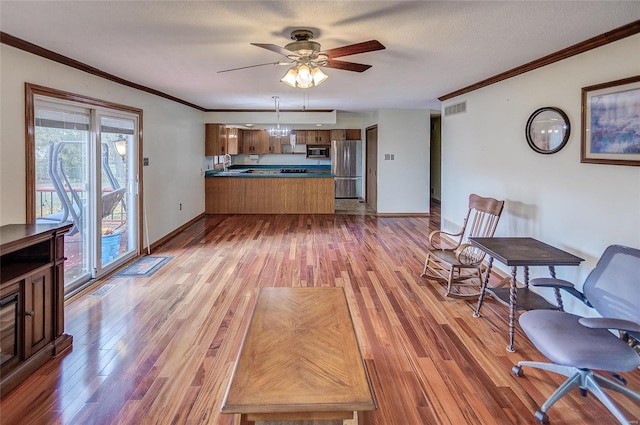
[270, 189]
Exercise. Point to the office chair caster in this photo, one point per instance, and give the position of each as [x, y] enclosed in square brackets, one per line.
[542, 417]
[517, 370]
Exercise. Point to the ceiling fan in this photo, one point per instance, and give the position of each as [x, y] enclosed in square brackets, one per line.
[306, 58]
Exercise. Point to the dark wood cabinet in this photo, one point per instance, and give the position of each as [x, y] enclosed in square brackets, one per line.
[338, 134]
[318, 137]
[353, 134]
[215, 139]
[248, 143]
[254, 142]
[301, 136]
[274, 144]
[31, 299]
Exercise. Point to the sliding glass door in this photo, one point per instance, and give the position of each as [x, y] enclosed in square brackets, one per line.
[86, 174]
[118, 187]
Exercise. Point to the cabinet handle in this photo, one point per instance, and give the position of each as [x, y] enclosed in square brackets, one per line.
[30, 313]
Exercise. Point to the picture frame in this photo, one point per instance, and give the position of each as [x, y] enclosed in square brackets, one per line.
[611, 123]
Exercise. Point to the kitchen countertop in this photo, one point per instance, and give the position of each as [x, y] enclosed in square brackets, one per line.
[261, 171]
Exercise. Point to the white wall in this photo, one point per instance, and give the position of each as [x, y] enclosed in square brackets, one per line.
[403, 183]
[581, 208]
[173, 140]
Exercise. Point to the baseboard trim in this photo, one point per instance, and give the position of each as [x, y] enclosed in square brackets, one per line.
[169, 236]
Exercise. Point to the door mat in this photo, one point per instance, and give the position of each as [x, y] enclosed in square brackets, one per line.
[143, 267]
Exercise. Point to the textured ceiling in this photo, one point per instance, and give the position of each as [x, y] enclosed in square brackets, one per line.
[432, 47]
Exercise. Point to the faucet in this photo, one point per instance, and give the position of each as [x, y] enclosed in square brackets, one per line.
[227, 159]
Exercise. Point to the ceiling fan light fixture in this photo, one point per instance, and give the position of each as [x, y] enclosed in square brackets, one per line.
[318, 76]
[304, 78]
[290, 77]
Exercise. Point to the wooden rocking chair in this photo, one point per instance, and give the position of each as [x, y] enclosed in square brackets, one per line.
[461, 264]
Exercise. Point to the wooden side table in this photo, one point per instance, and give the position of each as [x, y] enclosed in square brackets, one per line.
[524, 252]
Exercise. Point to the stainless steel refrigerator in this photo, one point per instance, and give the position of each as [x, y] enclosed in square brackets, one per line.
[346, 164]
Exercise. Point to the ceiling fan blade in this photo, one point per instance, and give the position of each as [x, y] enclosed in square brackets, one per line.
[347, 66]
[276, 49]
[253, 66]
[352, 49]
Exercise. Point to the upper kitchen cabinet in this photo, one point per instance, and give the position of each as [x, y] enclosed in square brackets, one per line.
[254, 141]
[215, 139]
[232, 141]
[274, 143]
[353, 134]
[318, 137]
[312, 137]
[301, 136]
[338, 134]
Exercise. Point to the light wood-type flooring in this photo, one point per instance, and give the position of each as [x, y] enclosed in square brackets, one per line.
[160, 349]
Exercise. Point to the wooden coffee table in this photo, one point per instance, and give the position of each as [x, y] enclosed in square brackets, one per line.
[299, 360]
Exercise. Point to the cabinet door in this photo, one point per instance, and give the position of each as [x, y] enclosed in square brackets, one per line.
[221, 147]
[215, 136]
[301, 136]
[261, 142]
[338, 134]
[246, 141]
[323, 136]
[210, 137]
[275, 144]
[38, 293]
[353, 134]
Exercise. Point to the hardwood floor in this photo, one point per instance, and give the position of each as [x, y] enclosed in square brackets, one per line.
[160, 349]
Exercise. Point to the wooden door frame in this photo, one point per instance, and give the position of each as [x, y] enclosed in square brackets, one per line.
[366, 173]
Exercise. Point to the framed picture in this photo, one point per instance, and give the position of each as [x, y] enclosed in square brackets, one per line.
[611, 123]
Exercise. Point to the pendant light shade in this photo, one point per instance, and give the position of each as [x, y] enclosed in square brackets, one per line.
[303, 77]
[318, 76]
[290, 77]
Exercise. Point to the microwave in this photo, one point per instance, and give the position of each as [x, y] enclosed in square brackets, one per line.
[318, 151]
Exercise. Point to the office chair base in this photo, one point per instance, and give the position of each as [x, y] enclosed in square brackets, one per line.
[585, 380]
[541, 417]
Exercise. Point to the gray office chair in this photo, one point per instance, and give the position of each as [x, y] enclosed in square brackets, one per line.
[577, 345]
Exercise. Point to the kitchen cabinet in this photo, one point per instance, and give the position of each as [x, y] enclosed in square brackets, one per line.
[232, 141]
[31, 299]
[254, 142]
[338, 134]
[274, 144]
[313, 137]
[215, 139]
[247, 142]
[318, 137]
[353, 134]
[301, 136]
